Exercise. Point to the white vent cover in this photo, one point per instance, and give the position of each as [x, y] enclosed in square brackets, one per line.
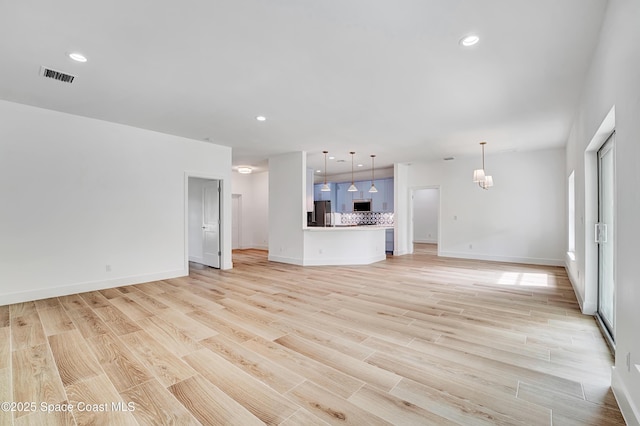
[56, 75]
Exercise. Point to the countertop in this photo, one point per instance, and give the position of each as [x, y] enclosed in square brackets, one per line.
[347, 228]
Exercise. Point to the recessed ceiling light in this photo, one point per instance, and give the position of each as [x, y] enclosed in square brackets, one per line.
[318, 171]
[469, 40]
[78, 57]
[332, 158]
[261, 118]
[244, 170]
[359, 165]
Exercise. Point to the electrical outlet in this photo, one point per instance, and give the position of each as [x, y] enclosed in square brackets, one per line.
[470, 246]
[107, 268]
[319, 251]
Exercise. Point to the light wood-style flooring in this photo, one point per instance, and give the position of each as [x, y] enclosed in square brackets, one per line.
[413, 340]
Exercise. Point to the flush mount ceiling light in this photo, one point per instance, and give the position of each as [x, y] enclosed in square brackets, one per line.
[479, 175]
[244, 170]
[352, 188]
[261, 118]
[325, 187]
[78, 57]
[373, 187]
[469, 40]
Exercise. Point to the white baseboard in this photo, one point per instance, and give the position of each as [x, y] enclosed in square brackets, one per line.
[282, 259]
[46, 292]
[507, 259]
[343, 261]
[254, 246]
[629, 410]
[587, 308]
[196, 259]
[425, 241]
[328, 261]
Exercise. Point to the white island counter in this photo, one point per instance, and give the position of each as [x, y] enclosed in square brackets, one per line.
[344, 245]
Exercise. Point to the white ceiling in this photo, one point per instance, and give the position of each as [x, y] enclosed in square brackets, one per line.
[373, 76]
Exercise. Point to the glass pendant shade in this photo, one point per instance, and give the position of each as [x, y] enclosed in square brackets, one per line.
[352, 188]
[478, 175]
[325, 187]
[373, 167]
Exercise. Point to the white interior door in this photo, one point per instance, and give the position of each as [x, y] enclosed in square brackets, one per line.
[211, 224]
[605, 235]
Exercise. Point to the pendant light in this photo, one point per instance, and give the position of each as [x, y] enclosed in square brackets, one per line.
[325, 187]
[352, 188]
[373, 187]
[479, 175]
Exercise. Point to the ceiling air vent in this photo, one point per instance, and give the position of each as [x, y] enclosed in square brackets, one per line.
[56, 75]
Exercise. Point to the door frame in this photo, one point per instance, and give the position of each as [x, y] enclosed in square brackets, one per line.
[225, 256]
[239, 219]
[589, 304]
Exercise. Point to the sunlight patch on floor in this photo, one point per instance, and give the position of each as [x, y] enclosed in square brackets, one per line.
[524, 279]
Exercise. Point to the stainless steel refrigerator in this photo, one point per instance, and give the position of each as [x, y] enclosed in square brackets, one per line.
[321, 215]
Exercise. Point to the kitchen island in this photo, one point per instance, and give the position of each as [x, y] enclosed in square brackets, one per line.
[344, 245]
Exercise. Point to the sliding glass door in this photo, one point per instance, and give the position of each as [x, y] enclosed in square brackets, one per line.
[605, 235]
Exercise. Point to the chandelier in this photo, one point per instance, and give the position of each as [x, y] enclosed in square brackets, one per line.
[479, 175]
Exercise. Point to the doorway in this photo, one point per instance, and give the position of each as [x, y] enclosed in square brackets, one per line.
[605, 235]
[236, 217]
[204, 221]
[425, 226]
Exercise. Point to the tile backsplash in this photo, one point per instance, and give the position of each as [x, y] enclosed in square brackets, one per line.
[367, 218]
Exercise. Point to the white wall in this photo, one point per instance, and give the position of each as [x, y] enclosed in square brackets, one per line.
[426, 203]
[520, 219]
[402, 235]
[287, 207]
[613, 82]
[79, 194]
[254, 188]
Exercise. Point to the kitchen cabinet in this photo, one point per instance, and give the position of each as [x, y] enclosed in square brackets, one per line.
[342, 200]
[388, 240]
[387, 201]
[382, 201]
